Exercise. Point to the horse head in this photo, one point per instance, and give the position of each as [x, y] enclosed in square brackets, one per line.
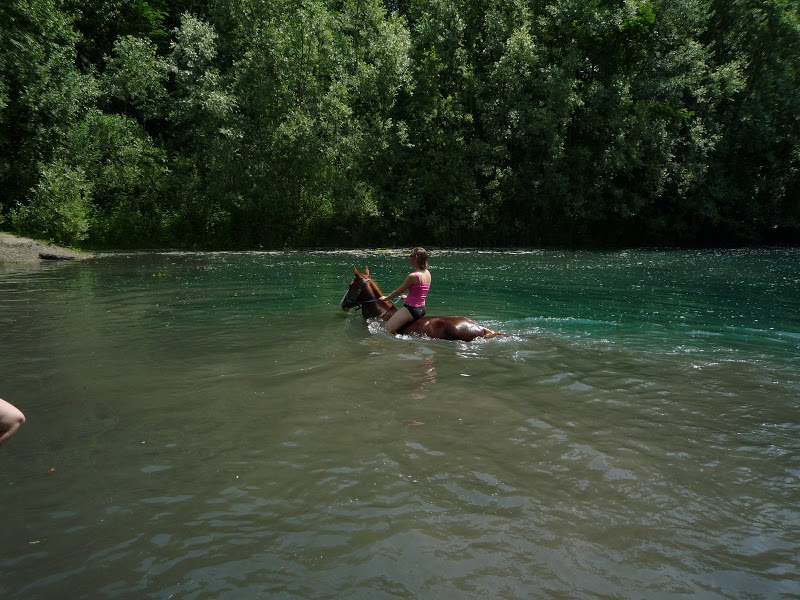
[355, 295]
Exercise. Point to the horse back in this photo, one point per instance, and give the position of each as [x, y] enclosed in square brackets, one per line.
[448, 328]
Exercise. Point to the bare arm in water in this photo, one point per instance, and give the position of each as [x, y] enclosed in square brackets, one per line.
[11, 419]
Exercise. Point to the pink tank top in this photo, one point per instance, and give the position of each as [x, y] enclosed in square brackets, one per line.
[417, 293]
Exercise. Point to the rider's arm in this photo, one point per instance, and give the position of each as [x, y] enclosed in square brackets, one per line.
[410, 280]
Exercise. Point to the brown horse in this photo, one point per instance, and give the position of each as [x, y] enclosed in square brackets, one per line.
[364, 294]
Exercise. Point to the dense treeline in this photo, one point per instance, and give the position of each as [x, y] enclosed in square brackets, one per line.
[267, 123]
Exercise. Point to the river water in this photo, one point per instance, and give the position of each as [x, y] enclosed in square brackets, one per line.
[214, 426]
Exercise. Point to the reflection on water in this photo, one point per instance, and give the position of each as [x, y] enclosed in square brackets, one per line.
[219, 428]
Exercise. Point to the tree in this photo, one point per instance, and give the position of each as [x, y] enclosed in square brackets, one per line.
[434, 169]
[101, 23]
[755, 171]
[41, 91]
[134, 78]
[203, 138]
[315, 85]
[60, 206]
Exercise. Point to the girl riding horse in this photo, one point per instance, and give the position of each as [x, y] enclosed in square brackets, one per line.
[417, 283]
[365, 294]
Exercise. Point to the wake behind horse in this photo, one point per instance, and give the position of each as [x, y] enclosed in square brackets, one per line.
[364, 293]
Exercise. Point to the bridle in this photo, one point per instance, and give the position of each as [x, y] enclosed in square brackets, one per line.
[354, 298]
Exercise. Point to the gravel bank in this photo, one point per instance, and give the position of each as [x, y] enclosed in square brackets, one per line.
[16, 251]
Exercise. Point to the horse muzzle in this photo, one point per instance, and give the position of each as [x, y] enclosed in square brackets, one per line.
[346, 306]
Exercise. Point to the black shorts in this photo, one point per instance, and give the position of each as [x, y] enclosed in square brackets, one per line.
[416, 311]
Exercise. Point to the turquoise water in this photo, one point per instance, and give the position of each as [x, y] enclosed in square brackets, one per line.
[214, 426]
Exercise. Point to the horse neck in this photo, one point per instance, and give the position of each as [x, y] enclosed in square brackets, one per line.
[382, 309]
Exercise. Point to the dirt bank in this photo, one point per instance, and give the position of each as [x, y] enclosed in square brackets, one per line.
[19, 251]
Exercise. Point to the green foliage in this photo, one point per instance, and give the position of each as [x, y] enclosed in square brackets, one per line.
[60, 209]
[101, 23]
[434, 193]
[134, 77]
[201, 111]
[755, 182]
[127, 173]
[203, 137]
[103, 185]
[41, 92]
[243, 123]
[315, 88]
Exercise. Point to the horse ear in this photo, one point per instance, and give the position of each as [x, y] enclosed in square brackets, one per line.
[366, 271]
[355, 271]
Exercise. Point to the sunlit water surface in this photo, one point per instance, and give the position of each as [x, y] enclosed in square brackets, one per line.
[214, 426]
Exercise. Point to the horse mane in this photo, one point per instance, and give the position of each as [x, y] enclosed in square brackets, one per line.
[374, 287]
[370, 282]
[386, 306]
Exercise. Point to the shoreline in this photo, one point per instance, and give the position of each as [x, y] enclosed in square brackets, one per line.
[17, 251]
